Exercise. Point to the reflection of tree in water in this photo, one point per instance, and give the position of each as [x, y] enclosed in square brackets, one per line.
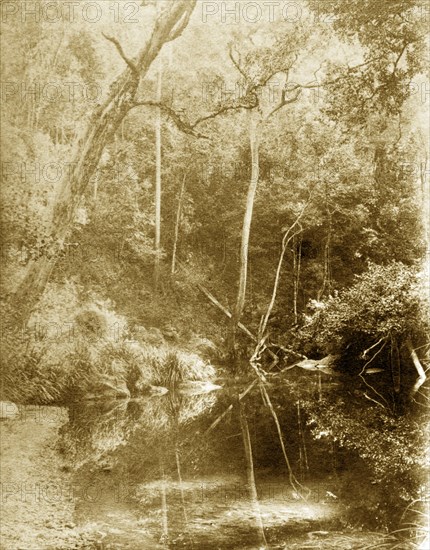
[96, 430]
[168, 447]
[250, 474]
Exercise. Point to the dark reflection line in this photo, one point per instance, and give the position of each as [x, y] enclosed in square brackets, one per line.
[164, 512]
[179, 473]
[251, 476]
[304, 466]
[175, 402]
[181, 486]
[295, 483]
[231, 406]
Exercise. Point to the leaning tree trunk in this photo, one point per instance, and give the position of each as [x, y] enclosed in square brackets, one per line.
[101, 130]
[254, 138]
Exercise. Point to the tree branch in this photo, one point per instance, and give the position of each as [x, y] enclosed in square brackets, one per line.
[236, 63]
[361, 374]
[284, 102]
[181, 124]
[311, 86]
[121, 53]
[285, 241]
[385, 84]
[249, 101]
[227, 108]
[418, 367]
[187, 127]
[366, 351]
[399, 57]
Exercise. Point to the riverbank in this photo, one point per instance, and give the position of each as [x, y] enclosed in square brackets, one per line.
[37, 503]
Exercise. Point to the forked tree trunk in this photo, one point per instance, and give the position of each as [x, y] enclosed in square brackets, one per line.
[101, 128]
[254, 138]
[287, 238]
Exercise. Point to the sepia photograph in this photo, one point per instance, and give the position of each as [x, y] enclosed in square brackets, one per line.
[215, 275]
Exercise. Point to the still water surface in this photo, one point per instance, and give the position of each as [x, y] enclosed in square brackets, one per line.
[208, 471]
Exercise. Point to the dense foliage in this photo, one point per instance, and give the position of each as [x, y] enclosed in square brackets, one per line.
[385, 301]
[313, 127]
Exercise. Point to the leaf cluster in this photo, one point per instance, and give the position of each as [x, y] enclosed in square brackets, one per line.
[386, 300]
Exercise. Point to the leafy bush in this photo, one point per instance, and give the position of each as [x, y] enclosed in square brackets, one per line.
[155, 365]
[384, 301]
[31, 378]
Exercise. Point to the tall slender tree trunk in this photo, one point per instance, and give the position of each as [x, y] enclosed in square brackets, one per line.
[326, 284]
[87, 152]
[254, 139]
[178, 223]
[425, 197]
[157, 242]
[297, 259]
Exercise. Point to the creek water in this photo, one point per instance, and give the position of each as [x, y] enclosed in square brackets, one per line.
[209, 471]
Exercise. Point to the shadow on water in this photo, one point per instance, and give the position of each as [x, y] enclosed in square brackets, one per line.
[215, 471]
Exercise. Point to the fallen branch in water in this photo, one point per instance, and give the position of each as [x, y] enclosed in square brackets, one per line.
[419, 368]
[288, 350]
[361, 373]
[366, 351]
[228, 314]
[230, 407]
[373, 400]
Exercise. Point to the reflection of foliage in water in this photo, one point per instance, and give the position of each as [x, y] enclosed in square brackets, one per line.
[389, 444]
[96, 430]
[184, 408]
[376, 461]
[386, 454]
[394, 450]
[376, 324]
[372, 462]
